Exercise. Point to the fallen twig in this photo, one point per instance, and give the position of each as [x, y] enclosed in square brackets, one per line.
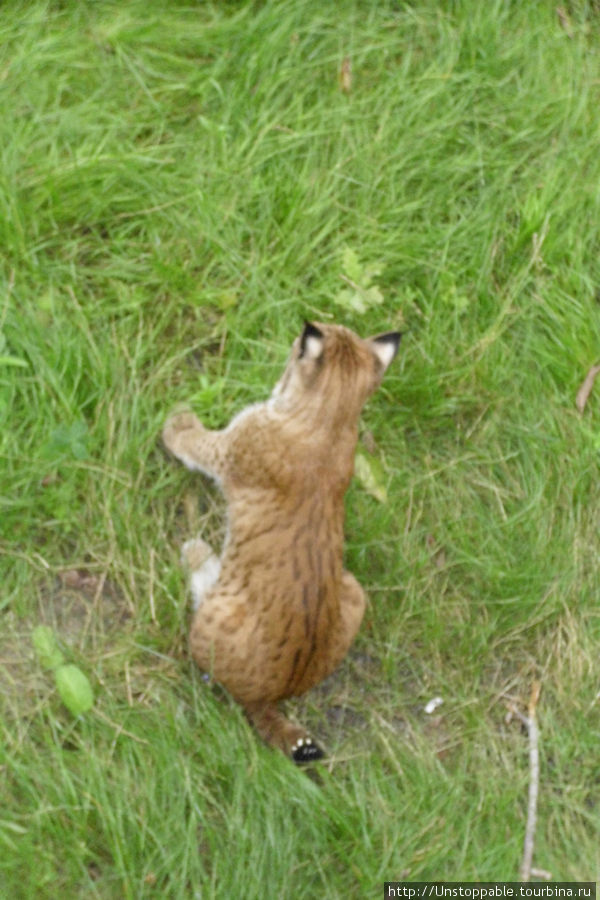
[564, 20]
[534, 781]
[346, 75]
[534, 777]
[151, 591]
[584, 391]
[542, 873]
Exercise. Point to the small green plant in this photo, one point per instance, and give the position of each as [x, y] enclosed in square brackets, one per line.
[67, 442]
[361, 294]
[72, 684]
[369, 472]
[181, 183]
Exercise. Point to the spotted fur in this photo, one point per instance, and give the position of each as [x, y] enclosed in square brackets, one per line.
[278, 612]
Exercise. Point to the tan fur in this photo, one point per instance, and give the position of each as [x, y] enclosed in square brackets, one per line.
[282, 613]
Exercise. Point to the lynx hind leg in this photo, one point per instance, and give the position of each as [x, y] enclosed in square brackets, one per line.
[353, 603]
[352, 608]
[279, 732]
[204, 567]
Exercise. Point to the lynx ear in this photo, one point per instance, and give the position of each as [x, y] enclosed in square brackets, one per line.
[311, 342]
[385, 347]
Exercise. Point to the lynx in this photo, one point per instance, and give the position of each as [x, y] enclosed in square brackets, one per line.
[277, 612]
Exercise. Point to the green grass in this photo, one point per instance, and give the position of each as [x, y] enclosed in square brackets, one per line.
[178, 184]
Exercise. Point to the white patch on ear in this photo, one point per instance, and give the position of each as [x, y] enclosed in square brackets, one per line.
[313, 346]
[385, 348]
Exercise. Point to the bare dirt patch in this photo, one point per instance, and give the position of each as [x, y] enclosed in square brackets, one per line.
[82, 607]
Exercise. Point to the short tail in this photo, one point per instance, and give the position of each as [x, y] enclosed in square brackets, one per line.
[279, 732]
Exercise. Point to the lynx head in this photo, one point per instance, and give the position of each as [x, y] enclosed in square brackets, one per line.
[332, 371]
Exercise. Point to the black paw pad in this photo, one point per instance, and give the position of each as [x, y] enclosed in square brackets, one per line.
[305, 750]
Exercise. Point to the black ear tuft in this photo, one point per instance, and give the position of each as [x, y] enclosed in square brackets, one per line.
[386, 346]
[311, 342]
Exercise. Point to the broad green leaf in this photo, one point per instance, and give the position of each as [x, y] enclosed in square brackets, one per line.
[74, 688]
[372, 296]
[369, 471]
[351, 265]
[46, 648]
[359, 300]
[350, 300]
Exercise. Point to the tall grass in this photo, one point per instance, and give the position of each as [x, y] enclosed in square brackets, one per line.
[178, 186]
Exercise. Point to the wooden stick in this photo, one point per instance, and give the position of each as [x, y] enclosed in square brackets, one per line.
[534, 781]
[586, 388]
[529, 721]
[151, 591]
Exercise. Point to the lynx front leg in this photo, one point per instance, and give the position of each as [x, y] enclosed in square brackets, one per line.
[199, 449]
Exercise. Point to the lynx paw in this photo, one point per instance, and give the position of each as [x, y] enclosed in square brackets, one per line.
[178, 423]
[305, 750]
[195, 553]
[204, 568]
